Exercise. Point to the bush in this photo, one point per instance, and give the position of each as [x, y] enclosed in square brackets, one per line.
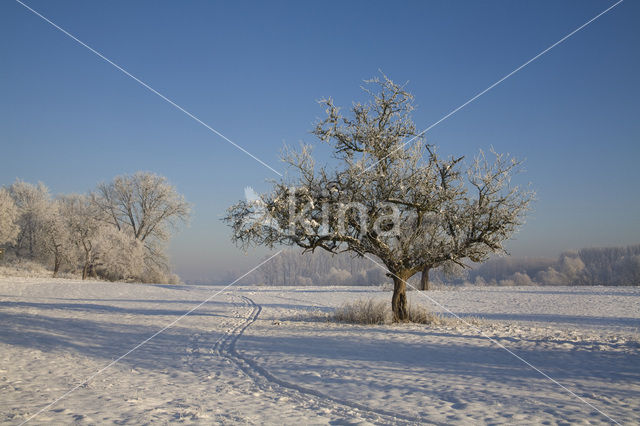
[421, 315]
[364, 312]
[157, 276]
[17, 267]
[378, 312]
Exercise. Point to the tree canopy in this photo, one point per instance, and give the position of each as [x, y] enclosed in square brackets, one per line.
[391, 196]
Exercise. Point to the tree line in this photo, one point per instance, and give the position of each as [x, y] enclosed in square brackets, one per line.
[607, 266]
[118, 231]
[291, 268]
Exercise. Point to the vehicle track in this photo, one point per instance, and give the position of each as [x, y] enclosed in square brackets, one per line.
[309, 398]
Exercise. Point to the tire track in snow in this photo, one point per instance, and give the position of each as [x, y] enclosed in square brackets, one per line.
[198, 347]
[310, 398]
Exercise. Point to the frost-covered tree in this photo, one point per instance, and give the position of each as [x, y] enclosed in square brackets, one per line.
[402, 203]
[595, 266]
[120, 232]
[43, 234]
[117, 255]
[101, 249]
[147, 207]
[144, 203]
[9, 215]
[55, 242]
[32, 202]
[83, 222]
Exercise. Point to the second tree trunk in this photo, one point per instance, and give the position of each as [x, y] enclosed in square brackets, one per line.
[424, 280]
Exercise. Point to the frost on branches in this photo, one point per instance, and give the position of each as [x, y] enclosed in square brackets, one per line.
[118, 232]
[146, 207]
[9, 228]
[400, 202]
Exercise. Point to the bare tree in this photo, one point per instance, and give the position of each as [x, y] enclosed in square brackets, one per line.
[144, 203]
[102, 250]
[43, 234]
[55, 244]
[82, 220]
[147, 207]
[119, 232]
[402, 203]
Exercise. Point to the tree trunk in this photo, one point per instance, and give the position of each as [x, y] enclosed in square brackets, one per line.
[424, 279]
[85, 268]
[399, 299]
[56, 265]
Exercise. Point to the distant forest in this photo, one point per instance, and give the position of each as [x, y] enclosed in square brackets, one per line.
[608, 266]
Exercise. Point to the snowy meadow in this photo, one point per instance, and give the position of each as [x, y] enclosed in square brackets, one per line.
[255, 355]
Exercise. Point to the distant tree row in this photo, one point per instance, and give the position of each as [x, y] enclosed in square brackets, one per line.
[609, 266]
[119, 231]
[291, 268]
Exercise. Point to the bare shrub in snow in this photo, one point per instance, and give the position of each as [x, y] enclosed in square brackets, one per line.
[370, 311]
[157, 276]
[421, 315]
[363, 312]
[13, 266]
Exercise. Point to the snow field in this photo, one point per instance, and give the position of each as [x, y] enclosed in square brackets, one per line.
[268, 355]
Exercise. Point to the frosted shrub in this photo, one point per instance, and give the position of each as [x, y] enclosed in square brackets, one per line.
[9, 215]
[13, 266]
[371, 311]
[364, 312]
[421, 315]
[119, 255]
[159, 276]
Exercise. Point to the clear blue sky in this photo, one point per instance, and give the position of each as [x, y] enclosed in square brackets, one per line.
[253, 71]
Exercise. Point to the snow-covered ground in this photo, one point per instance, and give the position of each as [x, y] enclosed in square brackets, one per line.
[268, 355]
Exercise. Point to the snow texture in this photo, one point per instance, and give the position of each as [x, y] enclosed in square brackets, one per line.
[255, 355]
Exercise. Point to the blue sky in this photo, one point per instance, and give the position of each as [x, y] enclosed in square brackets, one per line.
[254, 71]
